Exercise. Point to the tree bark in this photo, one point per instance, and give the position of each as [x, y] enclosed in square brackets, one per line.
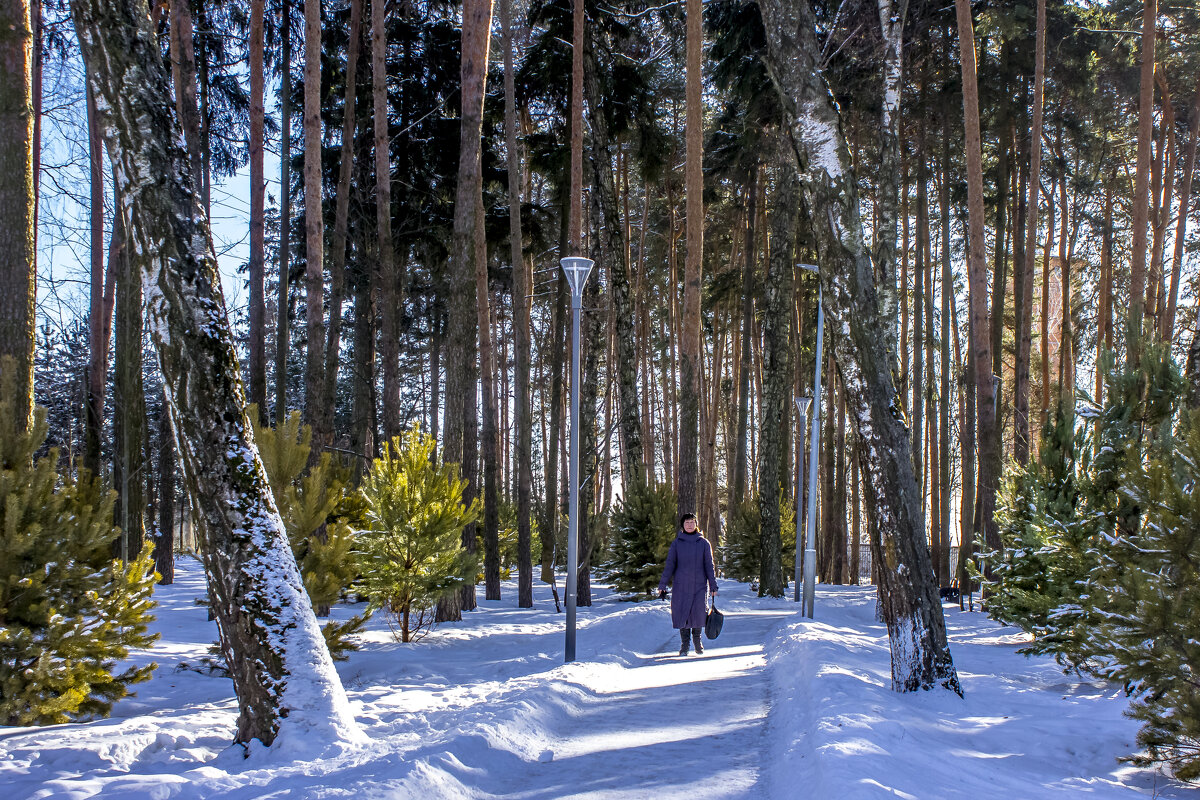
[282, 674]
[1141, 186]
[689, 346]
[891, 22]
[389, 308]
[1024, 301]
[740, 465]
[460, 415]
[99, 311]
[337, 265]
[775, 411]
[911, 608]
[258, 189]
[985, 409]
[522, 409]
[129, 406]
[18, 258]
[1185, 198]
[314, 234]
[283, 311]
[164, 544]
[612, 251]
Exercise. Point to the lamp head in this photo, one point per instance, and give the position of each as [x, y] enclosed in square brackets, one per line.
[808, 267]
[802, 404]
[577, 269]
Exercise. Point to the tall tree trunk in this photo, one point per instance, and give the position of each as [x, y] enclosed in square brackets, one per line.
[740, 466]
[1185, 197]
[282, 673]
[129, 406]
[1024, 293]
[522, 410]
[775, 411]
[257, 378]
[389, 308]
[1141, 186]
[1104, 313]
[943, 568]
[690, 346]
[460, 414]
[611, 250]
[977, 283]
[575, 195]
[283, 311]
[911, 608]
[1045, 311]
[337, 264]
[164, 544]
[917, 409]
[183, 68]
[18, 259]
[98, 330]
[489, 433]
[314, 234]
[891, 21]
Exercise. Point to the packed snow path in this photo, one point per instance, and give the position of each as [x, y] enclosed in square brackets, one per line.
[778, 708]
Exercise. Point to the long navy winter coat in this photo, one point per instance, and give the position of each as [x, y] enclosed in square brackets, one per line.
[690, 567]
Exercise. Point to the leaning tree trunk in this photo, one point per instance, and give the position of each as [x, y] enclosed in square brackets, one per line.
[777, 367]
[891, 22]
[282, 673]
[911, 607]
[18, 286]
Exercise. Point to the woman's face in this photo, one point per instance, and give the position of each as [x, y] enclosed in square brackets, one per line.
[689, 525]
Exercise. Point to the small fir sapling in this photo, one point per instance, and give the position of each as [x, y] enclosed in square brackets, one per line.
[643, 526]
[68, 612]
[412, 553]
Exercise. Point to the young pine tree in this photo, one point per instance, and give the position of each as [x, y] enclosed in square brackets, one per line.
[68, 611]
[319, 515]
[412, 553]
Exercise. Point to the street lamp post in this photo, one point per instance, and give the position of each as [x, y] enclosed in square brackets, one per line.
[576, 270]
[814, 444]
[802, 404]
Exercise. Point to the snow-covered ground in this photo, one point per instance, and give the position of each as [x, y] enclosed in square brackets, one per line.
[778, 707]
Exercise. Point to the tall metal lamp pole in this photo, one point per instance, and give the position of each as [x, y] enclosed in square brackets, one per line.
[576, 270]
[814, 445]
[802, 404]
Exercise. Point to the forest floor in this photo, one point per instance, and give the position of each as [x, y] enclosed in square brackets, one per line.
[777, 707]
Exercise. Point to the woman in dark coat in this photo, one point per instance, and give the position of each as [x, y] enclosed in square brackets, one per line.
[690, 569]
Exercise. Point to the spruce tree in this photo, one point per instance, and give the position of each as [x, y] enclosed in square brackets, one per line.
[643, 526]
[69, 611]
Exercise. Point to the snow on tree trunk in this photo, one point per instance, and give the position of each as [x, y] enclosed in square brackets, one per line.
[287, 689]
[911, 607]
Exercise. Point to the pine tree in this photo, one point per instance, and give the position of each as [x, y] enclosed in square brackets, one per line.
[644, 525]
[319, 516]
[412, 552]
[69, 611]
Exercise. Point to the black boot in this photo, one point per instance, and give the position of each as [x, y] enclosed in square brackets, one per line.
[683, 641]
[696, 641]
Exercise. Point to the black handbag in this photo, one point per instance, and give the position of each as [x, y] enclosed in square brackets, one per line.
[713, 621]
